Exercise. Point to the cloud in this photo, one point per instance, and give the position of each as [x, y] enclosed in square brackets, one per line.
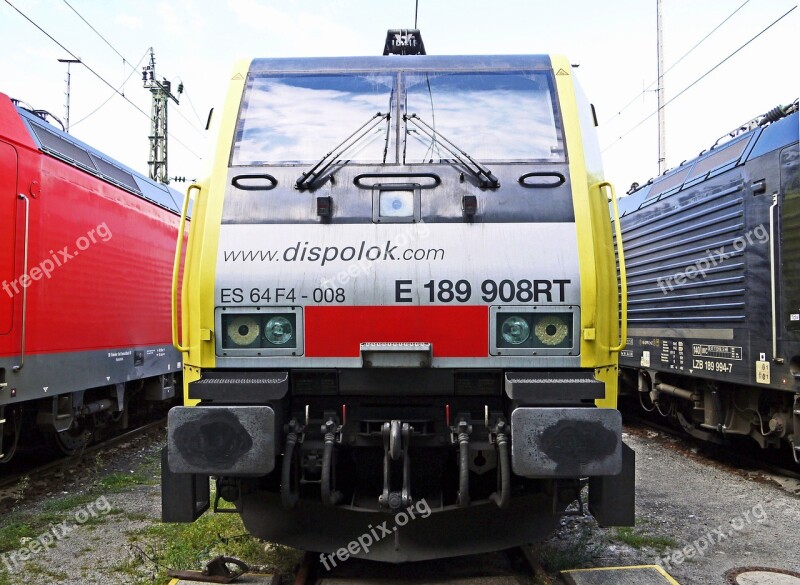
[129, 21]
[294, 32]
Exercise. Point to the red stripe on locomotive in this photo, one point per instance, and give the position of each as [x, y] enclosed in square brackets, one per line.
[453, 331]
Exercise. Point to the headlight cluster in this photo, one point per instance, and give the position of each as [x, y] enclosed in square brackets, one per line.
[270, 330]
[532, 330]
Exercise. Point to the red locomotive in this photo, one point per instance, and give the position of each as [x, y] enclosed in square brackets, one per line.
[86, 254]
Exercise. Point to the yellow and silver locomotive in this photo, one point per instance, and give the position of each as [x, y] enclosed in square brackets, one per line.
[400, 308]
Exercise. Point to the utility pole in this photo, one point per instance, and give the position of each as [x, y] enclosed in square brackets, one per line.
[162, 93]
[662, 141]
[69, 62]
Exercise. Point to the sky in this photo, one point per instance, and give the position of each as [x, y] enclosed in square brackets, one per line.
[198, 41]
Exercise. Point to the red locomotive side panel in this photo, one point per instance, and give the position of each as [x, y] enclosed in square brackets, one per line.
[110, 265]
[99, 261]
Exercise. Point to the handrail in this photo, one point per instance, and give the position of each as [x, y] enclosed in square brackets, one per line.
[623, 276]
[176, 267]
[24, 288]
[772, 287]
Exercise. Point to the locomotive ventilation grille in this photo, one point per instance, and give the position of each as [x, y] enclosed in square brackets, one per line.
[683, 258]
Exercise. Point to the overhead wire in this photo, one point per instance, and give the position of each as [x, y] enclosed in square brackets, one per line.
[703, 76]
[128, 63]
[119, 90]
[96, 74]
[95, 31]
[668, 69]
[199, 119]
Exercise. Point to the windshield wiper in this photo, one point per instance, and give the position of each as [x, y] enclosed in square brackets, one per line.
[315, 176]
[481, 174]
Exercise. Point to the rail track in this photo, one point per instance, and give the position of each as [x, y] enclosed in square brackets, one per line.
[740, 456]
[9, 483]
[514, 566]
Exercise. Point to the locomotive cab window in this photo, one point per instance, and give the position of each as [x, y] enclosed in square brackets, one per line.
[297, 119]
[492, 116]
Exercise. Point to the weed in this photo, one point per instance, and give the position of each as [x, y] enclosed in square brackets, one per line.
[12, 530]
[573, 554]
[118, 481]
[189, 546]
[67, 503]
[638, 539]
[22, 487]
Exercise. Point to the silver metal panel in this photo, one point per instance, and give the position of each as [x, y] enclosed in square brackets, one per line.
[221, 440]
[52, 374]
[566, 442]
[390, 264]
[391, 63]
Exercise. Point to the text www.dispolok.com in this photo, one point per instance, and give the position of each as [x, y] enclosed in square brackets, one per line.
[302, 252]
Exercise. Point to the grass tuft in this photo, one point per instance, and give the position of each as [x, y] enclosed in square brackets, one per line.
[118, 481]
[635, 538]
[159, 547]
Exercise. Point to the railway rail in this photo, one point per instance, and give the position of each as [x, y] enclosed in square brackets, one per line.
[60, 464]
[516, 565]
[743, 458]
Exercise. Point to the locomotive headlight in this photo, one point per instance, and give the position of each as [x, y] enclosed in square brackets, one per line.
[279, 330]
[261, 330]
[534, 330]
[397, 204]
[242, 330]
[515, 330]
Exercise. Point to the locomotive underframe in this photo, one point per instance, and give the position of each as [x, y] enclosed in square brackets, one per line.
[73, 419]
[714, 411]
[509, 446]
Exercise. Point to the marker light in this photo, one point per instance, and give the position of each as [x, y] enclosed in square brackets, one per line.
[551, 329]
[278, 331]
[515, 330]
[243, 330]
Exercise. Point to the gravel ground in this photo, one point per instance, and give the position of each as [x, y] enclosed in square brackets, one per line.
[684, 505]
[696, 518]
[90, 539]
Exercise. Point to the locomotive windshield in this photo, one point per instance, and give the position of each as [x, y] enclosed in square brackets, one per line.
[299, 118]
[492, 116]
[508, 116]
